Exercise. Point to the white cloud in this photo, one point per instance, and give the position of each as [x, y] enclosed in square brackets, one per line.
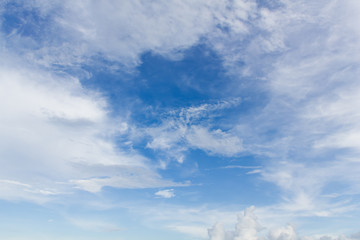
[217, 232]
[116, 30]
[167, 193]
[310, 126]
[283, 233]
[128, 178]
[215, 142]
[254, 171]
[14, 190]
[249, 228]
[191, 128]
[305, 189]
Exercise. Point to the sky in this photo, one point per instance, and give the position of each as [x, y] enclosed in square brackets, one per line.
[181, 120]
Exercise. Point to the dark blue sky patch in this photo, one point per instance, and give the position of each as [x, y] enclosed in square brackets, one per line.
[160, 84]
[195, 78]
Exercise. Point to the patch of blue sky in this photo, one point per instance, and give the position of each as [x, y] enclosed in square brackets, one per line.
[218, 180]
[21, 19]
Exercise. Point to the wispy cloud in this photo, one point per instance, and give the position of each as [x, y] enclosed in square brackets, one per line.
[241, 167]
[78, 31]
[309, 127]
[192, 127]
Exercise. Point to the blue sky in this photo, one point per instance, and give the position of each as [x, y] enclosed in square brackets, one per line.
[183, 120]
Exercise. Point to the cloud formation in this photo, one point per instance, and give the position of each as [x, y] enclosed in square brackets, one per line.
[311, 119]
[249, 228]
[190, 128]
[76, 32]
[167, 193]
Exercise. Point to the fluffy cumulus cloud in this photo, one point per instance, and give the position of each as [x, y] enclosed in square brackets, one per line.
[248, 227]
